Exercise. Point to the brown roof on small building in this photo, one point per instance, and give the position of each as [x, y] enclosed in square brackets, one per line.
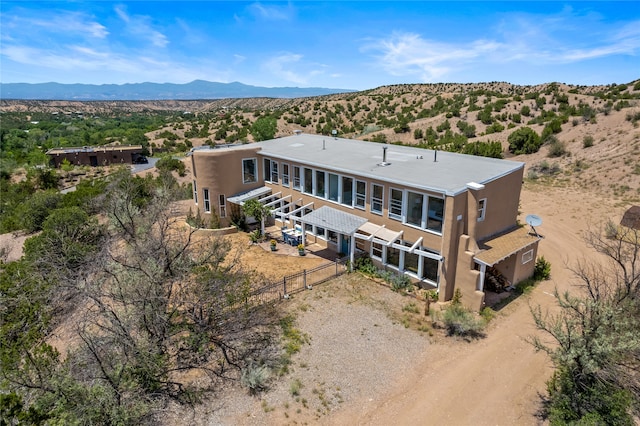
[498, 248]
[631, 218]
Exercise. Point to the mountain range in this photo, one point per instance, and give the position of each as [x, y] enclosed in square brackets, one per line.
[197, 89]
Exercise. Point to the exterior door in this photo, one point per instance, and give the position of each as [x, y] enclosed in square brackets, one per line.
[344, 244]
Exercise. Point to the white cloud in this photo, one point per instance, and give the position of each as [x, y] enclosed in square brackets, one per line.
[56, 22]
[271, 12]
[140, 26]
[291, 68]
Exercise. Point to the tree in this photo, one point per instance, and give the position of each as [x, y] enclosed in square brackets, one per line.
[596, 348]
[258, 210]
[264, 128]
[524, 141]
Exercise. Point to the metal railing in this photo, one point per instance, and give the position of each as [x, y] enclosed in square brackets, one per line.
[298, 282]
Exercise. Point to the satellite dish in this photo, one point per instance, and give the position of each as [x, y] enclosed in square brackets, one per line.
[533, 221]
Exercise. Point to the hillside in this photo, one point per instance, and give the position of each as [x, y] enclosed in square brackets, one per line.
[590, 132]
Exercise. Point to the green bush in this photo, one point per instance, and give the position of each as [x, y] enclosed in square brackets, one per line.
[542, 270]
[171, 164]
[524, 141]
[556, 148]
[587, 141]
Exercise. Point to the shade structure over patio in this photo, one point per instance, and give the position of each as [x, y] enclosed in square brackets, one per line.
[335, 220]
[242, 197]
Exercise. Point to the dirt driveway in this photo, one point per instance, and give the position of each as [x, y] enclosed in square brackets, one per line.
[363, 366]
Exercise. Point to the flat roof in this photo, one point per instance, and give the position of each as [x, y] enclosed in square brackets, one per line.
[407, 166]
[105, 148]
[498, 248]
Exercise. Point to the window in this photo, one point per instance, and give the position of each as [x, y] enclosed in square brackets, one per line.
[415, 207]
[207, 203]
[274, 171]
[321, 190]
[285, 175]
[430, 268]
[376, 199]
[296, 178]
[333, 187]
[395, 204]
[223, 205]
[320, 232]
[332, 236]
[195, 193]
[482, 207]
[393, 256]
[411, 261]
[527, 256]
[361, 194]
[436, 214]
[376, 250]
[347, 191]
[308, 181]
[266, 170]
[249, 170]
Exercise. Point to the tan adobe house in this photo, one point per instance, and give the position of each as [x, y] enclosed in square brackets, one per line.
[96, 155]
[444, 219]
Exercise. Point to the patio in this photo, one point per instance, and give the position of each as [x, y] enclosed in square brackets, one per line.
[284, 249]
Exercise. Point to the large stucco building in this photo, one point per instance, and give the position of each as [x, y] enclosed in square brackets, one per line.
[441, 218]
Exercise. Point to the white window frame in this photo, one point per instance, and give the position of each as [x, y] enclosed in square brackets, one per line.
[527, 256]
[339, 187]
[358, 197]
[393, 204]
[305, 183]
[255, 168]
[482, 209]
[195, 193]
[376, 200]
[207, 201]
[324, 181]
[223, 205]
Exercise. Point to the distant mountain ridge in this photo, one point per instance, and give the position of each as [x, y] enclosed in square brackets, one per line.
[197, 89]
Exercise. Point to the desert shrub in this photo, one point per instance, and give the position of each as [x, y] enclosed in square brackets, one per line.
[542, 270]
[587, 141]
[400, 282]
[459, 321]
[524, 141]
[556, 148]
[171, 164]
[255, 377]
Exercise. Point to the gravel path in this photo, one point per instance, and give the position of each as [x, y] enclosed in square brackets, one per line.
[357, 346]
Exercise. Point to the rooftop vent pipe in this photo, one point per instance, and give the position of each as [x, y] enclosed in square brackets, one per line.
[384, 157]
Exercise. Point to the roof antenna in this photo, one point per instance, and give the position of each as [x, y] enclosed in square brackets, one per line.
[435, 155]
[323, 146]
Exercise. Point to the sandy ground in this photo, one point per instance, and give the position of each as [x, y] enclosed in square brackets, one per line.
[497, 380]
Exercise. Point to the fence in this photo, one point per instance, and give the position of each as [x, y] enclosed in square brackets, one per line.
[295, 283]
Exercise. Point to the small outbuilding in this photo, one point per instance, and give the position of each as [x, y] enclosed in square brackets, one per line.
[96, 155]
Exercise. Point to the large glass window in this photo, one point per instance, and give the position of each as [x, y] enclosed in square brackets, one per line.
[308, 181]
[376, 198]
[321, 190]
[415, 203]
[411, 262]
[361, 194]
[285, 174]
[347, 191]
[393, 256]
[430, 269]
[266, 169]
[436, 214]
[395, 204]
[296, 178]
[207, 202]
[333, 187]
[249, 170]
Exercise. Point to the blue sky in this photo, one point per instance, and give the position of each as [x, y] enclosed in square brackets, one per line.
[337, 44]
